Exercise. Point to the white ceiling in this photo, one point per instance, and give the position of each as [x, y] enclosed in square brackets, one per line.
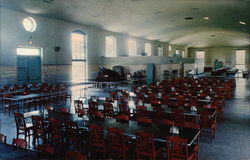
[161, 20]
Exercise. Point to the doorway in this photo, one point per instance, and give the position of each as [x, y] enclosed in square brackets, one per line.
[28, 65]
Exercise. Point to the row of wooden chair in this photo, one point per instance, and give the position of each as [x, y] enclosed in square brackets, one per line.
[117, 145]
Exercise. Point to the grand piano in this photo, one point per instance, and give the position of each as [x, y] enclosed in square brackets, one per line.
[108, 75]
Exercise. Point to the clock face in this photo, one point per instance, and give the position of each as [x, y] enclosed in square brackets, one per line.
[29, 24]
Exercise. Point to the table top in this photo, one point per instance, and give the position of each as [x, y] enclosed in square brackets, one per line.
[130, 128]
[168, 109]
[17, 91]
[32, 95]
[160, 132]
[9, 152]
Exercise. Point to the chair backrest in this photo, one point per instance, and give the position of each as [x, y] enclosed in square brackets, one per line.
[74, 155]
[55, 126]
[108, 106]
[144, 120]
[49, 108]
[166, 122]
[72, 128]
[116, 137]
[3, 138]
[96, 133]
[145, 142]
[21, 143]
[37, 122]
[93, 106]
[64, 110]
[122, 117]
[123, 108]
[78, 105]
[20, 122]
[192, 125]
[180, 100]
[177, 147]
[81, 112]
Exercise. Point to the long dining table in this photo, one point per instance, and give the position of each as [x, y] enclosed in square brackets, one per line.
[131, 127]
[19, 99]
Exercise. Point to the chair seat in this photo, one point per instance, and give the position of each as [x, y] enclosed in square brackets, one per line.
[157, 152]
[29, 125]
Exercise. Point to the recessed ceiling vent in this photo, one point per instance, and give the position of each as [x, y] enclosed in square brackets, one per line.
[48, 1]
[189, 18]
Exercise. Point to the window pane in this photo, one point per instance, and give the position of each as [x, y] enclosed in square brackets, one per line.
[240, 59]
[131, 48]
[110, 46]
[78, 46]
[78, 57]
[200, 54]
[78, 71]
[148, 49]
[160, 51]
[28, 51]
[240, 56]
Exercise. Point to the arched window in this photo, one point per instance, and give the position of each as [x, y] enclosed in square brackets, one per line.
[131, 48]
[148, 49]
[160, 50]
[78, 44]
[110, 46]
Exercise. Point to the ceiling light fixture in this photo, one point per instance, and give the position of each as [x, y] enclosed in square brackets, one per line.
[48, 1]
[206, 18]
[241, 22]
[189, 18]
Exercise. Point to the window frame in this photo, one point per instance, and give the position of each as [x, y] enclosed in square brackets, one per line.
[148, 47]
[243, 64]
[114, 47]
[132, 47]
[83, 59]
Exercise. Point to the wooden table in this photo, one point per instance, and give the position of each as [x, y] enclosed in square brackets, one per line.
[130, 128]
[19, 99]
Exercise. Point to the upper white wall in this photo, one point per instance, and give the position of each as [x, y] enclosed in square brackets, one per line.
[224, 54]
[50, 33]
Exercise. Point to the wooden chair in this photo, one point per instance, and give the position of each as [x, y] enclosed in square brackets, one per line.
[72, 133]
[93, 106]
[55, 130]
[97, 140]
[166, 122]
[195, 145]
[3, 138]
[178, 117]
[39, 130]
[49, 108]
[177, 148]
[208, 124]
[145, 146]
[46, 151]
[144, 121]
[75, 155]
[64, 110]
[20, 143]
[78, 104]
[108, 110]
[22, 127]
[122, 118]
[124, 109]
[117, 143]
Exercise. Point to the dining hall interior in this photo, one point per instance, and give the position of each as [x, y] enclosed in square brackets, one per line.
[125, 79]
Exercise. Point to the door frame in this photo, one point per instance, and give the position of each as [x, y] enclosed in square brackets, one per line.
[41, 58]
